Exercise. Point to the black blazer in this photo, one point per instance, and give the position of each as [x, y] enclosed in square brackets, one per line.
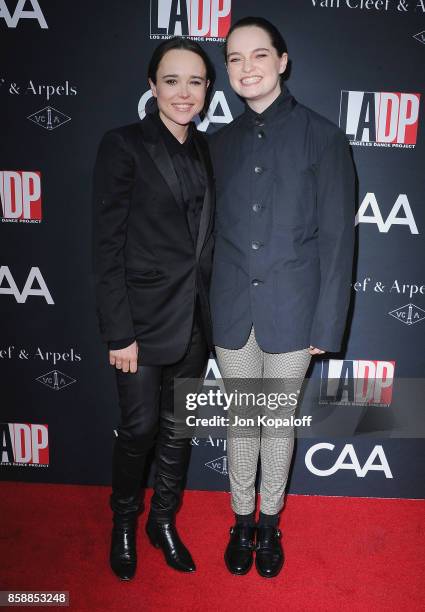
[147, 268]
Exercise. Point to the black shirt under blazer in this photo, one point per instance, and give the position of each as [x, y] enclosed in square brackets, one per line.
[148, 269]
[284, 229]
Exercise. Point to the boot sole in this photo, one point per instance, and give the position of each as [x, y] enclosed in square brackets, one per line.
[260, 573]
[121, 578]
[235, 573]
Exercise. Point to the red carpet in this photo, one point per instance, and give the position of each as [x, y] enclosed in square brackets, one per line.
[342, 554]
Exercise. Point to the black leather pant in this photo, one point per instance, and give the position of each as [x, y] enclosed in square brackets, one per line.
[146, 401]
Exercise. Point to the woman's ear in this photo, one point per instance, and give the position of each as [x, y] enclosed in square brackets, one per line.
[153, 87]
[283, 63]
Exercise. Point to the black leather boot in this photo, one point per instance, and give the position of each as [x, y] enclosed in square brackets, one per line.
[127, 468]
[123, 556]
[165, 536]
[172, 459]
[239, 551]
[269, 557]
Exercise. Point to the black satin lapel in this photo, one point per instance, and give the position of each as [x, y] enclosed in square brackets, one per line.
[205, 219]
[158, 151]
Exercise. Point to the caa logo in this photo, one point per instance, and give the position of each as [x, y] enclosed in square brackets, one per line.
[401, 205]
[24, 444]
[218, 110]
[12, 19]
[20, 196]
[199, 19]
[380, 119]
[348, 453]
[28, 289]
[357, 382]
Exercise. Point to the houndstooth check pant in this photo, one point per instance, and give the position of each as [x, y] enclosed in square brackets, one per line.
[287, 370]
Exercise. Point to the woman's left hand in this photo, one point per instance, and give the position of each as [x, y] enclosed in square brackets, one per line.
[315, 351]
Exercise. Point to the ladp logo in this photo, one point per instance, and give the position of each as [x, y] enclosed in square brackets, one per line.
[204, 19]
[20, 196]
[24, 444]
[357, 382]
[373, 118]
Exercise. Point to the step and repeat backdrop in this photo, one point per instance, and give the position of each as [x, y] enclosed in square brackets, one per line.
[71, 71]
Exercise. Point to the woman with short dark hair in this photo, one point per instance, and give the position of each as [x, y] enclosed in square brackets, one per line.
[153, 202]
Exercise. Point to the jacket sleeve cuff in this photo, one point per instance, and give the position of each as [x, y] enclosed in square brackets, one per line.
[115, 345]
[328, 344]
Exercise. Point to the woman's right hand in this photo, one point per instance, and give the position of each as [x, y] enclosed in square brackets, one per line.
[125, 359]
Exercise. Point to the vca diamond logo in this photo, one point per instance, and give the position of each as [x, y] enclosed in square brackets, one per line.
[56, 380]
[49, 118]
[420, 36]
[408, 314]
[218, 465]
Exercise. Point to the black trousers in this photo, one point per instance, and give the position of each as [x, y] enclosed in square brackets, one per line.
[146, 401]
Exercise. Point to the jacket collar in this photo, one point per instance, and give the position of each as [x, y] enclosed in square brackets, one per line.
[154, 144]
[171, 142]
[279, 108]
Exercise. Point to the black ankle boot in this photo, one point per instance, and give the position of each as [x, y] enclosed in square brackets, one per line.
[123, 556]
[269, 557]
[239, 551]
[165, 537]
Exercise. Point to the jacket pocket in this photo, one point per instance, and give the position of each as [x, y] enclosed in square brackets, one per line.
[148, 275]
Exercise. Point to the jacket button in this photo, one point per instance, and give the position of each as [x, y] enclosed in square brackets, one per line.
[259, 122]
[255, 245]
[256, 282]
[261, 134]
[258, 170]
[256, 207]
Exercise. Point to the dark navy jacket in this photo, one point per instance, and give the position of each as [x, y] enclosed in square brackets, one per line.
[284, 229]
